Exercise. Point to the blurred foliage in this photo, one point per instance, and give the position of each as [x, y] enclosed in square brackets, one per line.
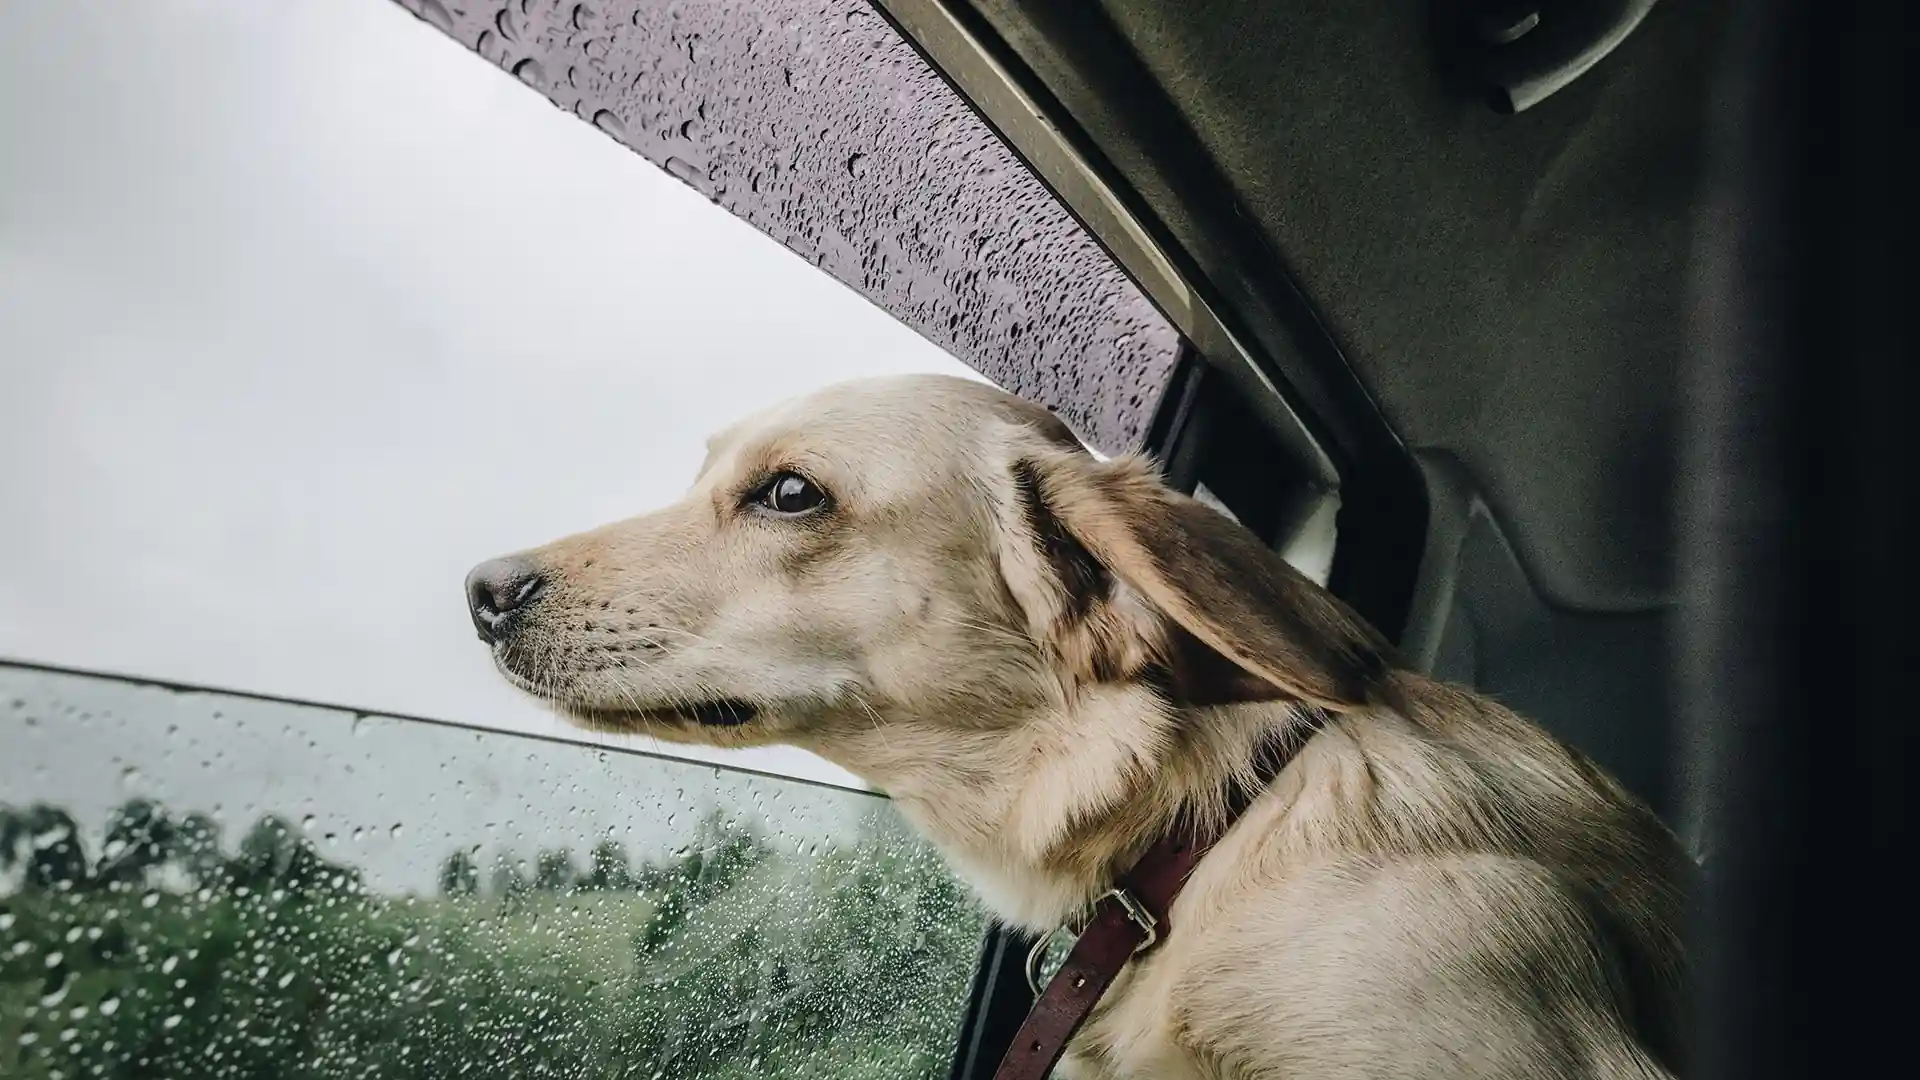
[166, 957]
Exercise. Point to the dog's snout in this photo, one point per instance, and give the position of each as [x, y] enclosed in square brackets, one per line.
[496, 590]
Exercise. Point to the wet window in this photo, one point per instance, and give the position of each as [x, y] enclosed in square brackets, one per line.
[817, 123]
[202, 885]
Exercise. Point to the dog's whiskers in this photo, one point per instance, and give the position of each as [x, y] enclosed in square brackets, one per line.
[879, 726]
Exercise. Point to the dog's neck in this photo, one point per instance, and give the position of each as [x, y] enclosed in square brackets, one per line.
[1042, 815]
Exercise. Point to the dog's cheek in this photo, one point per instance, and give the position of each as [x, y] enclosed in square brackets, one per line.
[1116, 640]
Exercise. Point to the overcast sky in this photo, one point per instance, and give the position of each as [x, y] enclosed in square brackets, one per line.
[304, 309]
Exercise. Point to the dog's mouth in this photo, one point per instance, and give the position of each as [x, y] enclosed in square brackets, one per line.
[720, 713]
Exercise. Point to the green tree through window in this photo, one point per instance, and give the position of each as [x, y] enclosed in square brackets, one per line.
[725, 960]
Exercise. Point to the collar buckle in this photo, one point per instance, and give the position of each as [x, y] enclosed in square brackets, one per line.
[1136, 913]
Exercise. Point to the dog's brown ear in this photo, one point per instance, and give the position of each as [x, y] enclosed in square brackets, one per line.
[1227, 620]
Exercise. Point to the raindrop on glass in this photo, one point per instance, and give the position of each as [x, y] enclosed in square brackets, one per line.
[436, 13]
[606, 121]
[530, 72]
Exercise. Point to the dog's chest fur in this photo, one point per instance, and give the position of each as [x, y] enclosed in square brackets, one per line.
[1406, 886]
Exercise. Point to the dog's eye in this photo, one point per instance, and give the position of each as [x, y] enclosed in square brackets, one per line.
[791, 493]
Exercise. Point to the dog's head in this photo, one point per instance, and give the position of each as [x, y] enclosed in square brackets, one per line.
[923, 547]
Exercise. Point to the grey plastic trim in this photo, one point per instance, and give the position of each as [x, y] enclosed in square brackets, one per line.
[1452, 503]
[1540, 74]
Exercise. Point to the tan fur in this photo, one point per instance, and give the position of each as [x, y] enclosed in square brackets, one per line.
[1046, 660]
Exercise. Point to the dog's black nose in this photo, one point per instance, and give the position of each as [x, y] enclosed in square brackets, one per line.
[498, 588]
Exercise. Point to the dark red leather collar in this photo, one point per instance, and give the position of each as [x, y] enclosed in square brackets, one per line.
[1131, 919]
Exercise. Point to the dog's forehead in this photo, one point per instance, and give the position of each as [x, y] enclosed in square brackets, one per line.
[911, 421]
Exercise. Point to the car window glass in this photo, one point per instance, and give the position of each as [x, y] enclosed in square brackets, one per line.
[205, 885]
[818, 123]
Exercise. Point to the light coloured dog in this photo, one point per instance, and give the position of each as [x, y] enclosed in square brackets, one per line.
[1046, 659]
